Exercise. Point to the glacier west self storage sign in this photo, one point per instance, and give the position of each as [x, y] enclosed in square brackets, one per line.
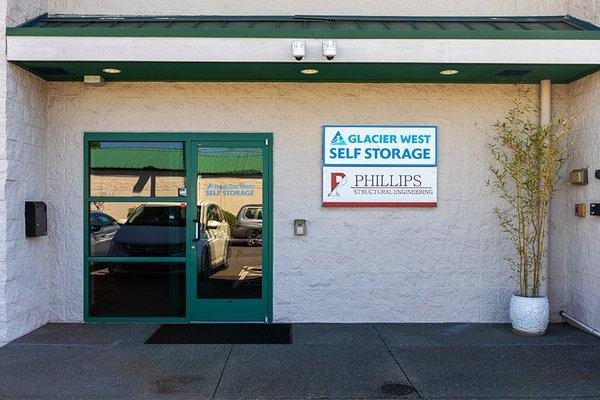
[379, 166]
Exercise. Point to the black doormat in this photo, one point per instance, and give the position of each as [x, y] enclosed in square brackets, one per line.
[222, 334]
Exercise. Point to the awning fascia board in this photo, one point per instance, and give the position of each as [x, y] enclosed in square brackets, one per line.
[207, 49]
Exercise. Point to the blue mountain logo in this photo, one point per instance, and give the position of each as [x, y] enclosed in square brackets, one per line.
[338, 140]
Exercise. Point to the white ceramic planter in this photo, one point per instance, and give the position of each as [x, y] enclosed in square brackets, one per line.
[529, 315]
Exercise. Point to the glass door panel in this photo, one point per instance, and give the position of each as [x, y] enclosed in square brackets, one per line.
[135, 219]
[228, 232]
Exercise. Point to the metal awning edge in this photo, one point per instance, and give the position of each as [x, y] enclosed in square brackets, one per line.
[336, 26]
[301, 33]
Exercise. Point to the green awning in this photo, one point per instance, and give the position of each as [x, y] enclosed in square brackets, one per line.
[298, 26]
[183, 65]
[139, 159]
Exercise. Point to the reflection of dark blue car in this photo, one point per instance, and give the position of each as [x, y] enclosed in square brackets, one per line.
[152, 230]
[248, 224]
[103, 228]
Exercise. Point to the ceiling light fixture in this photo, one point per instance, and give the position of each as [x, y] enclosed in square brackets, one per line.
[449, 72]
[111, 70]
[309, 71]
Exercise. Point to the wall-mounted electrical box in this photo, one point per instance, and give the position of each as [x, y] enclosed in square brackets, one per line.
[579, 176]
[595, 209]
[580, 209]
[300, 227]
[36, 219]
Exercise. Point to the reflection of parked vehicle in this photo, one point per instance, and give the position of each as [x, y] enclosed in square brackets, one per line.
[103, 228]
[248, 224]
[213, 235]
[158, 230]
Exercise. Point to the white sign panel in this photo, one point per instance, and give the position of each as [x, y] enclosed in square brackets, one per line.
[360, 186]
[398, 146]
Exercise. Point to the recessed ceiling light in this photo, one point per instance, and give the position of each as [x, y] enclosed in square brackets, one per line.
[111, 70]
[449, 72]
[310, 71]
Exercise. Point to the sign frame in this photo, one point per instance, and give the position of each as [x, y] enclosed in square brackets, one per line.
[323, 146]
[422, 200]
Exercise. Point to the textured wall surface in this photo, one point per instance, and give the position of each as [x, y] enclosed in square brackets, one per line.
[3, 169]
[577, 238]
[332, 7]
[588, 10]
[574, 240]
[18, 11]
[26, 258]
[443, 264]
[24, 300]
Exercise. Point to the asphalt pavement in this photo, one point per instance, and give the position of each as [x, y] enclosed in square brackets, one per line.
[325, 361]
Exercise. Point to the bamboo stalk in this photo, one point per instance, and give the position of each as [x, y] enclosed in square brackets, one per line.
[527, 159]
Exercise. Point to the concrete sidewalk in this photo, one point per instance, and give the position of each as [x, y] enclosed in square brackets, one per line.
[326, 361]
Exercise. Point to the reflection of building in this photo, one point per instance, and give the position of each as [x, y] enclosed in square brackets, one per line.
[229, 179]
[229, 192]
[130, 171]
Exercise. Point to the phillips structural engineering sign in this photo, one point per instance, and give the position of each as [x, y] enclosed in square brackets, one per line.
[379, 166]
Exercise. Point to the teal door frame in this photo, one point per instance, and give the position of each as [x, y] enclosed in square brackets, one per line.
[190, 140]
[232, 310]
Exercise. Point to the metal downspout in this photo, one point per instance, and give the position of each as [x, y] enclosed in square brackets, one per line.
[545, 118]
[580, 325]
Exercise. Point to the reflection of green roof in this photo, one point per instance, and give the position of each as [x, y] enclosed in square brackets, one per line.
[226, 163]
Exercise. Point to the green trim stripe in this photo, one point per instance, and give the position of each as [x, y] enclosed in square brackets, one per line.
[303, 33]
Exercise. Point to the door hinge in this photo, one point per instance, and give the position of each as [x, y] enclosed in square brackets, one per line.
[266, 142]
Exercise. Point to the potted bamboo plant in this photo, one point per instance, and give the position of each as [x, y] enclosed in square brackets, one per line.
[526, 159]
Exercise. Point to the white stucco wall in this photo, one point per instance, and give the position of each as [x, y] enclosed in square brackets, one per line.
[332, 7]
[437, 265]
[3, 63]
[24, 300]
[574, 240]
[26, 258]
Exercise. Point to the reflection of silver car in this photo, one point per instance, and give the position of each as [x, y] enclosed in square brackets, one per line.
[248, 224]
[103, 228]
[158, 230]
[213, 237]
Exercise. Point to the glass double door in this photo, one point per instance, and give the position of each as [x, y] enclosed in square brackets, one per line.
[178, 227]
[229, 231]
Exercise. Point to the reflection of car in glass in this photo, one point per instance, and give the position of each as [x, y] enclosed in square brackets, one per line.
[158, 230]
[248, 224]
[103, 228]
[213, 236]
